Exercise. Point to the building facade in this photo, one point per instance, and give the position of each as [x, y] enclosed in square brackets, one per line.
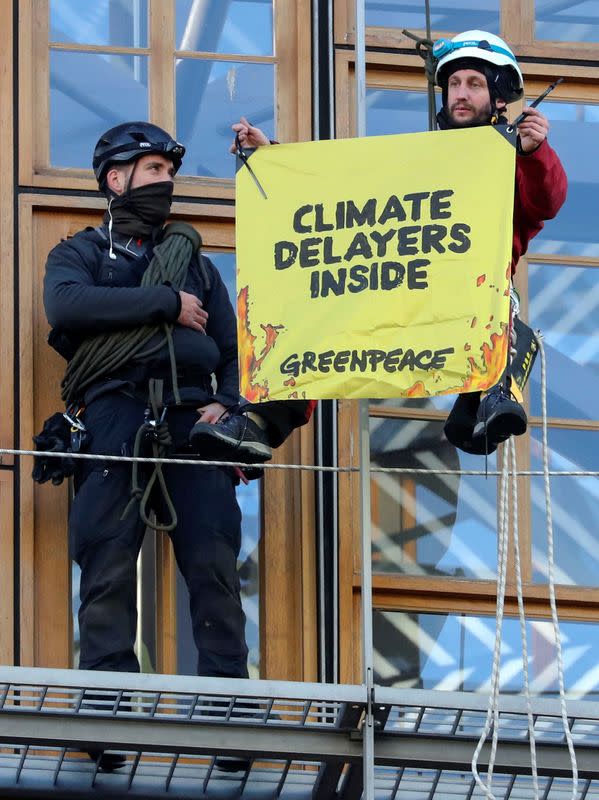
[68, 71]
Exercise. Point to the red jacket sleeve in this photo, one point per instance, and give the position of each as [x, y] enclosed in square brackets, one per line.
[541, 186]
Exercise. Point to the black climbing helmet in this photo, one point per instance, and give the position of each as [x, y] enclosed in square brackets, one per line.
[130, 141]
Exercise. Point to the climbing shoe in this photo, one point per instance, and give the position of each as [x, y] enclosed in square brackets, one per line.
[499, 416]
[459, 427]
[232, 764]
[107, 762]
[236, 438]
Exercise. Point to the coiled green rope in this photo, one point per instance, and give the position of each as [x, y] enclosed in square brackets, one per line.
[99, 355]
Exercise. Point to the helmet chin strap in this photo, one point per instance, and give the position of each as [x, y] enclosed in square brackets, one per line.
[111, 253]
[130, 178]
[497, 113]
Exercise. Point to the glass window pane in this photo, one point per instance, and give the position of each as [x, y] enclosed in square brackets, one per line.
[395, 111]
[564, 304]
[572, 21]
[211, 96]
[248, 498]
[573, 135]
[574, 508]
[442, 525]
[441, 403]
[117, 23]
[453, 652]
[89, 93]
[226, 26]
[462, 16]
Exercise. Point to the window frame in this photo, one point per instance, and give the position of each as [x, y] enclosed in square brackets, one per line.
[292, 32]
[517, 27]
[400, 592]
[288, 606]
[7, 242]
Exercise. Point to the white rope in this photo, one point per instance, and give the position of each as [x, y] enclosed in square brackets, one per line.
[511, 450]
[550, 576]
[492, 718]
[304, 467]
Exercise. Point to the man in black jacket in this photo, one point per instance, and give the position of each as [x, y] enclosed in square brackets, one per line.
[94, 284]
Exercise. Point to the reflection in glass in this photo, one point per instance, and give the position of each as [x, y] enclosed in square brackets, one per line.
[248, 498]
[567, 21]
[395, 111]
[574, 508]
[462, 16]
[244, 27]
[441, 403]
[226, 265]
[89, 93]
[564, 304]
[211, 95]
[453, 652]
[573, 135]
[430, 524]
[116, 23]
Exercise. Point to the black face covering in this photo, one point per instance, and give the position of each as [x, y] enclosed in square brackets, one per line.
[139, 212]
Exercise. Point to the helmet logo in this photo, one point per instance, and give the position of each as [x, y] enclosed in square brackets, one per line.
[443, 47]
[145, 144]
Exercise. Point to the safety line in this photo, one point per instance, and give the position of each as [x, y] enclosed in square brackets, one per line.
[492, 716]
[509, 473]
[511, 453]
[303, 467]
[551, 577]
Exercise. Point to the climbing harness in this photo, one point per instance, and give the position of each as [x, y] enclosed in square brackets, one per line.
[154, 430]
[78, 431]
[100, 355]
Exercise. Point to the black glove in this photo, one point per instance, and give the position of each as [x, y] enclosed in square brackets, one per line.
[55, 436]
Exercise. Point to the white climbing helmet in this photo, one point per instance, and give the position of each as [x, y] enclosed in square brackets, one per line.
[486, 47]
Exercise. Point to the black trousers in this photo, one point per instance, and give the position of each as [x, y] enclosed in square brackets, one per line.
[206, 543]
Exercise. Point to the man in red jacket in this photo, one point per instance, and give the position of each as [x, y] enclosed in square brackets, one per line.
[478, 75]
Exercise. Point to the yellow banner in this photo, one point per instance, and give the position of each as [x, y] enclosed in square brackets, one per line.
[376, 267]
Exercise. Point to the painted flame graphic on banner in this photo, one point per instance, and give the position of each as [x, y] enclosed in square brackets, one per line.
[494, 359]
[249, 363]
[417, 389]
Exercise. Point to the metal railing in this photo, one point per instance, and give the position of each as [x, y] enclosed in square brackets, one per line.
[298, 740]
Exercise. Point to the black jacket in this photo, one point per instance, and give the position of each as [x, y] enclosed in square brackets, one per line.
[86, 293]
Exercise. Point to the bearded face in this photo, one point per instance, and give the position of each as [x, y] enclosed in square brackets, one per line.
[468, 99]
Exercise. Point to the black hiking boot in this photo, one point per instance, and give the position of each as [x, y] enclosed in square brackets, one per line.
[107, 762]
[232, 764]
[236, 438]
[499, 417]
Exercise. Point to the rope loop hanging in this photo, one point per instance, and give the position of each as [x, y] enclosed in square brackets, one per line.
[508, 479]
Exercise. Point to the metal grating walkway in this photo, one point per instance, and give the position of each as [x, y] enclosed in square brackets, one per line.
[301, 740]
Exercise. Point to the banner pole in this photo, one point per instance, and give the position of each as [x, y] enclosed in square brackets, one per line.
[367, 644]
